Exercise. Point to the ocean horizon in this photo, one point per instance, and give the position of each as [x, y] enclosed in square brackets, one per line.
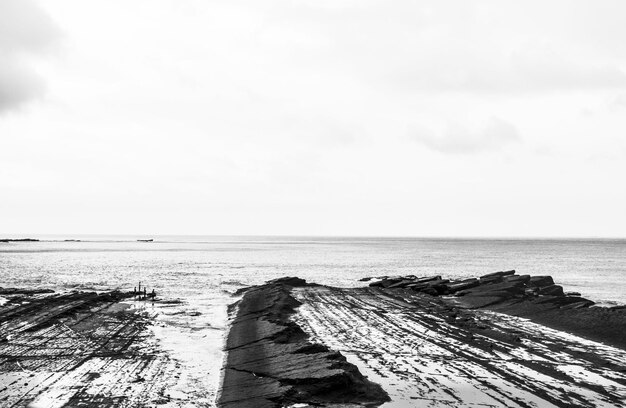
[595, 267]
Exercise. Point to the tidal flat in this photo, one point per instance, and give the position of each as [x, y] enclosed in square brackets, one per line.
[104, 349]
[501, 340]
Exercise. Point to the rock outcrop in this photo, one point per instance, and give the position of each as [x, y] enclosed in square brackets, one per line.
[428, 353]
[534, 297]
[80, 349]
[492, 288]
[270, 362]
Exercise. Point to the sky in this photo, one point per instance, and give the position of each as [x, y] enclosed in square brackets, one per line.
[328, 117]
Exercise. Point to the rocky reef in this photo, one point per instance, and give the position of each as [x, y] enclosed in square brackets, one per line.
[421, 341]
[428, 351]
[534, 297]
[486, 290]
[271, 363]
[81, 349]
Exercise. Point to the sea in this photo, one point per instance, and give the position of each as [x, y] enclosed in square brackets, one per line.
[183, 266]
[197, 277]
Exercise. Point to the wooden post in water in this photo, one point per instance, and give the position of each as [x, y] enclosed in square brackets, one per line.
[144, 293]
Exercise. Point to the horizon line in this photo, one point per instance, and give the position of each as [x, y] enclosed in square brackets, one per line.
[338, 236]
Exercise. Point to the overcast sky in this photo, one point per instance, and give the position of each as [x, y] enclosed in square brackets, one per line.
[339, 117]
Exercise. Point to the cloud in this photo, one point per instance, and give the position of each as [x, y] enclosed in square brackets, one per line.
[18, 85]
[26, 33]
[619, 102]
[464, 47]
[458, 139]
[496, 70]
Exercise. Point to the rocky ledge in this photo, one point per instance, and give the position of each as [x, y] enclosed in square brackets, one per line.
[425, 341]
[271, 363]
[427, 351]
[81, 349]
[418, 342]
[535, 297]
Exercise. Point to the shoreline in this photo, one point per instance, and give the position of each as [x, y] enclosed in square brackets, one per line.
[289, 342]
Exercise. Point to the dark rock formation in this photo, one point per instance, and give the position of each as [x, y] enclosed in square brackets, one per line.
[23, 291]
[463, 284]
[56, 349]
[517, 278]
[270, 363]
[288, 280]
[534, 297]
[489, 289]
[498, 274]
[552, 290]
[572, 314]
[539, 281]
[490, 359]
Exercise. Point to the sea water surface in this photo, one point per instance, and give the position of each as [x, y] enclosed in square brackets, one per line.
[204, 271]
[190, 265]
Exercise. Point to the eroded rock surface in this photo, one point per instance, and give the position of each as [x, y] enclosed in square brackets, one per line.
[427, 352]
[79, 349]
[534, 297]
[271, 363]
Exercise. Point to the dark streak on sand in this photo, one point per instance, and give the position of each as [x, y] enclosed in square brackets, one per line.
[270, 362]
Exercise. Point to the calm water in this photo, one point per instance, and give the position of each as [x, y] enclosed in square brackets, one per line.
[180, 266]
